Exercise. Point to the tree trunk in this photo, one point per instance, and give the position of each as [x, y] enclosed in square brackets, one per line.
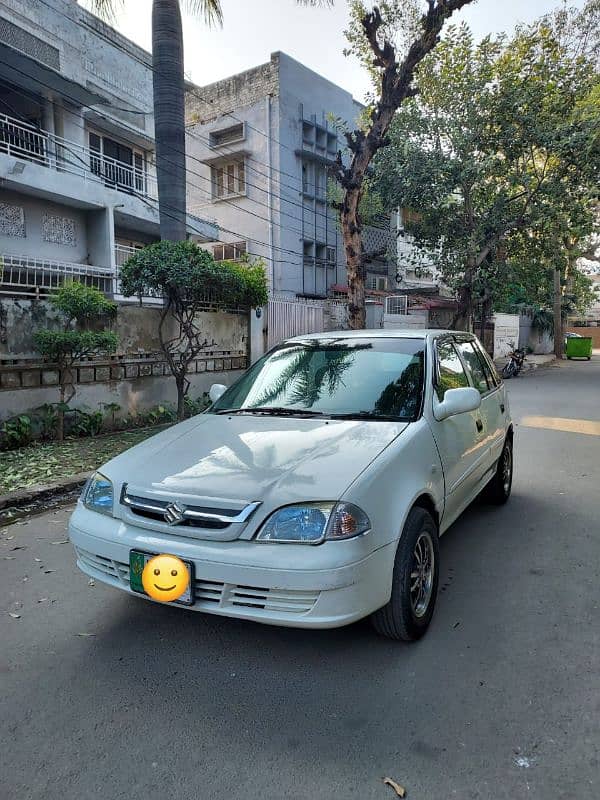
[351, 232]
[180, 382]
[558, 334]
[60, 419]
[169, 117]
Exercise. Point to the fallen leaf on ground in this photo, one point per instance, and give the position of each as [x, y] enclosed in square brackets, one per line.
[91, 582]
[9, 558]
[86, 634]
[37, 559]
[19, 547]
[22, 522]
[8, 538]
[42, 599]
[62, 541]
[25, 579]
[400, 790]
[13, 615]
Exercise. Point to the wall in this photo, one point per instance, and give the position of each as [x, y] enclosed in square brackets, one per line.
[136, 328]
[33, 243]
[136, 378]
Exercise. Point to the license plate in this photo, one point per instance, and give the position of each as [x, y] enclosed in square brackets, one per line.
[137, 562]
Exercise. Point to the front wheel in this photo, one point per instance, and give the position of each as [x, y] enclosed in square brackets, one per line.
[415, 581]
[508, 370]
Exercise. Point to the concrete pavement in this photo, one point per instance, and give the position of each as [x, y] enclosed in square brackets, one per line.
[501, 699]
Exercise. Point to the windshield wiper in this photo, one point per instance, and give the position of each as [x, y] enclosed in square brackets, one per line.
[274, 411]
[369, 415]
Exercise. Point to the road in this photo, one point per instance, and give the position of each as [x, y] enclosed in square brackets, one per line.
[501, 699]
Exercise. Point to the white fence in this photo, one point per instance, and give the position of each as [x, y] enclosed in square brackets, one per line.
[29, 143]
[39, 277]
[287, 318]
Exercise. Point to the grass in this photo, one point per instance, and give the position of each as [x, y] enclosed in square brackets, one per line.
[49, 461]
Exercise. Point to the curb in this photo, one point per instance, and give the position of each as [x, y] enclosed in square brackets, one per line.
[42, 491]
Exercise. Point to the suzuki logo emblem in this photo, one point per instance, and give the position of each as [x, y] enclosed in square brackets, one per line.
[174, 513]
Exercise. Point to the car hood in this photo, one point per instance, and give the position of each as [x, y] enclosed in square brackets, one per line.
[275, 460]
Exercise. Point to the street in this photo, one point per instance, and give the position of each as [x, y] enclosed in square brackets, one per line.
[108, 696]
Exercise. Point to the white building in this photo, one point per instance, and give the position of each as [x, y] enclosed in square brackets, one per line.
[259, 147]
[77, 179]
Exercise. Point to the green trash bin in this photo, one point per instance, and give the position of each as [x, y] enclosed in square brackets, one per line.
[579, 347]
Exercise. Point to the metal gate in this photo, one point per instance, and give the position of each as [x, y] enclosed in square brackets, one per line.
[287, 318]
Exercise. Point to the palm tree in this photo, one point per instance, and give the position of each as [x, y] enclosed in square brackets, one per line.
[169, 99]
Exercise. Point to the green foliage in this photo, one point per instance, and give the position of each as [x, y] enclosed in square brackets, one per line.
[58, 345]
[186, 274]
[81, 304]
[499, 156]
[86, 423]
[16, 432]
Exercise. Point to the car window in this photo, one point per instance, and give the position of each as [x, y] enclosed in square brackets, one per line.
[475, 368]
[374, 378]
[451, 373]
[489, 364]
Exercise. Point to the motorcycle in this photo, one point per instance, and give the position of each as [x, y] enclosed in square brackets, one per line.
[515, 363]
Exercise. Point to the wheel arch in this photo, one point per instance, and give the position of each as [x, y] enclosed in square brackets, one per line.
[426, 502]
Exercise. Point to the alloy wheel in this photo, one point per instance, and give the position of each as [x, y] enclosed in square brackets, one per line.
[421, 576]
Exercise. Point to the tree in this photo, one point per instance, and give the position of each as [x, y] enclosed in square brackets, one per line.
[495, 158]
[169, 101]
[81, 308]
[373, 38]
[189, 280]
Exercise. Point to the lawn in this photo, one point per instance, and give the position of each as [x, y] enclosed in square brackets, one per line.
[45, 462]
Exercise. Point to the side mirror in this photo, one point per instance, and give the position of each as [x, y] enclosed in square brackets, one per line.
[216, 390]
[457, 401]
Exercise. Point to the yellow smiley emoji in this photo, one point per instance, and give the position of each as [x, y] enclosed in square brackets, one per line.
[165, 578]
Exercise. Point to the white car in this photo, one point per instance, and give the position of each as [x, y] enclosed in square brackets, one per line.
[313, 491]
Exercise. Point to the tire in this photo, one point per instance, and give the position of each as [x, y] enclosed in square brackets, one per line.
[508, 370]
[407, 615]
[499, 488]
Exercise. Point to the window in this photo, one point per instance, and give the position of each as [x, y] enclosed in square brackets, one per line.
[229, 252]
[451, 374]
[491, 371]
[475, 367]
[235, 133]
[229, 179]
[119, 165]
[377, 282]
[331, 257]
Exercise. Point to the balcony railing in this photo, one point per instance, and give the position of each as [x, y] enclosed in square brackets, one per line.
[28, 143]
[38, 277]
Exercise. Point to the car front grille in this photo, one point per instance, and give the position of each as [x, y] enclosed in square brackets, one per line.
[216, 594]
[179, 515]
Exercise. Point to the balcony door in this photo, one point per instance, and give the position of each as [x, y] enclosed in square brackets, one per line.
[120, 166]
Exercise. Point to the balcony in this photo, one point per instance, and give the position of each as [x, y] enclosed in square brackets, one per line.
[26, 276]
[29, 143]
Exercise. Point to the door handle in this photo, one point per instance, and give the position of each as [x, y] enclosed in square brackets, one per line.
[479, 425]
[502, 407]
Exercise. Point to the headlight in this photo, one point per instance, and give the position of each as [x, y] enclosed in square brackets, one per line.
[313, 523]
[98, 494]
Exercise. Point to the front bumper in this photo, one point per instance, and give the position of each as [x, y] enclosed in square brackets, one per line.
[326, 586]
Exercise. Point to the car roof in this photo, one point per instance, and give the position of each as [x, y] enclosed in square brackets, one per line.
[381, 333]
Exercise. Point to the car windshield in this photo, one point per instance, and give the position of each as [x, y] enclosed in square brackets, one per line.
[367, 378]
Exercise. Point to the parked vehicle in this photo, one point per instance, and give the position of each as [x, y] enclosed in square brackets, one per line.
[313, 491]
[515, 363]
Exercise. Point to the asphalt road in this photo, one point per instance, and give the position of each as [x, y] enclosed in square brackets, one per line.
[501, 699]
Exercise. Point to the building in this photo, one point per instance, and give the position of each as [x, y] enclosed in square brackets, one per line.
[259, 147]
[77, 180]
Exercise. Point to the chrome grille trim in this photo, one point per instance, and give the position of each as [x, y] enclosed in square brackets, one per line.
[222, 517]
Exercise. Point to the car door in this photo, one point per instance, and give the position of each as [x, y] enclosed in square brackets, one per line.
[491, 412]
[458, 438]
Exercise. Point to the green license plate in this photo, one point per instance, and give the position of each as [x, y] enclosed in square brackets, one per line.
[137, 562]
